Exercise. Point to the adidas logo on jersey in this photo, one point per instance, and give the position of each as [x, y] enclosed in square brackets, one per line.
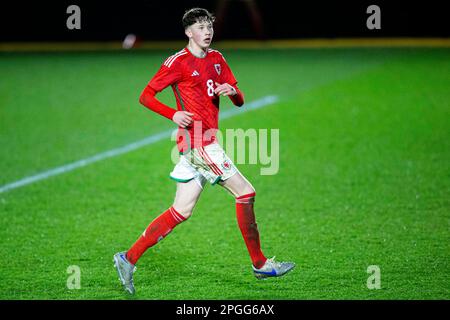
[195, 73]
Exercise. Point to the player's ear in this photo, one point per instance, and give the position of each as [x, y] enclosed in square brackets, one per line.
[188, 32]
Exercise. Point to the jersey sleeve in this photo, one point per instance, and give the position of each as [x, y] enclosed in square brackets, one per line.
[227, 75]
[166, 76]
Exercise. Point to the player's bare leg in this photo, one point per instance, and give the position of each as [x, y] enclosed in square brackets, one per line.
[245, 193]
[238, 185]
[186, 197]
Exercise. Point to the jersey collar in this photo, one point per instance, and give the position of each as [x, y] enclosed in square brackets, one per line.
[187, 49]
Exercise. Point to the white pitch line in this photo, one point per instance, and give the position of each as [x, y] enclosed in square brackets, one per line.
[129, 147]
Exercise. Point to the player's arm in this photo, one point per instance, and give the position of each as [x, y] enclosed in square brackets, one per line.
[226, 89]
[165, 77]
[148, 99]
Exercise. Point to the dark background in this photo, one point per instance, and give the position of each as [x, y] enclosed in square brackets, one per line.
[161, 20]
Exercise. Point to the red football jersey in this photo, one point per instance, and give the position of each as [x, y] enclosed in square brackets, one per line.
[193, 81]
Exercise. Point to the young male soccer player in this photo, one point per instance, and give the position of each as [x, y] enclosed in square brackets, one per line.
[198, 76]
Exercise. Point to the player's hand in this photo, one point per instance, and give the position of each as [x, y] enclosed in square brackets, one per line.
[183, 118]
[224, 89]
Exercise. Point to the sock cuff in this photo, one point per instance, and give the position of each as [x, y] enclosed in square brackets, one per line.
[176, 215]
[246, 198]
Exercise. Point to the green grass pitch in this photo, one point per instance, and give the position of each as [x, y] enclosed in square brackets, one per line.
[364, 177]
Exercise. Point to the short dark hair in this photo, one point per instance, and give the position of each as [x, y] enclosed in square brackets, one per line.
[194, 15]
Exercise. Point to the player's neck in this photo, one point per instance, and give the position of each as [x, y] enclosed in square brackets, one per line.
[197, 50]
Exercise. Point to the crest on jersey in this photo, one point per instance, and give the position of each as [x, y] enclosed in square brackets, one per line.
[218, 69]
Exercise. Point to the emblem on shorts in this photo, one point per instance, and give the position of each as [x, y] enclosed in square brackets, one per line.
[226, 165]
[217, 67]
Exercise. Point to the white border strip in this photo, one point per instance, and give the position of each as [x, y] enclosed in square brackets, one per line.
[129, 147]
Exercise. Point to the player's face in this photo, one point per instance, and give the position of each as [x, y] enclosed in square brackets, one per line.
[201, 33]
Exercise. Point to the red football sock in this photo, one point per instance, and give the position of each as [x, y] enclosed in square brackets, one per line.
[249, 228]
[155, 232]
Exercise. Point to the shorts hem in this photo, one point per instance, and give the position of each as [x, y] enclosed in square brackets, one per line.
[228, 177]
[180, 180]
[217, 180]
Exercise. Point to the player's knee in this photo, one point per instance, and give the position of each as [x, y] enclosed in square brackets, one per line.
[246, 192]
[246, 189]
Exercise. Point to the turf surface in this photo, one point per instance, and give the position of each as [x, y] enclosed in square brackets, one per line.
[364, 178]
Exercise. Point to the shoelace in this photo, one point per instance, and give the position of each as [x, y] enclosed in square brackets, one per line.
[275, 263]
